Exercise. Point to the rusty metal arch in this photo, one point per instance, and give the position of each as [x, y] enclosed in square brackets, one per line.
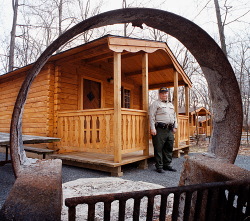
[222, 83]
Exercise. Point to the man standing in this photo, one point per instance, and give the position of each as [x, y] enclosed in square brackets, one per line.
[163, 124]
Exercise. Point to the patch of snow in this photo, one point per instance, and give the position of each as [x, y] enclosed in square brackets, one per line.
[98, 186]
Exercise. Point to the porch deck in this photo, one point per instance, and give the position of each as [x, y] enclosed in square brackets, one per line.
[105, 162]
[102, 162]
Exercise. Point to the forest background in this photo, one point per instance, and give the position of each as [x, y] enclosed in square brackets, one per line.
[28, 26]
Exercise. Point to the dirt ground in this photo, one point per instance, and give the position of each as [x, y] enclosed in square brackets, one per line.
[203, 145]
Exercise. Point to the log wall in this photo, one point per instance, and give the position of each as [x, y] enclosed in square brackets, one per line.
[38, 111]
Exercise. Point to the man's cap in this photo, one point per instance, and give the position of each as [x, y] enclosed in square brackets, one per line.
[163, 89]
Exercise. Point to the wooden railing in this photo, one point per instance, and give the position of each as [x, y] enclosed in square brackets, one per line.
[207, 201]
[134, 130]
[183, 126]
[88, 130]
[92, 130]
[192, 130]
[201, 130]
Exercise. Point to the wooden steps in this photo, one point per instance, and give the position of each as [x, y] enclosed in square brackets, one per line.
[185, 148]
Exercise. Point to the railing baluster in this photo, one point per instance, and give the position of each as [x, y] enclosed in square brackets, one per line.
[239, 205]
[248, 202]
[91, 212]
[220, 209]
[150, 208]
[214, 203]
[72, 213]
[107, 208]
[198, 205]
[176, 207]
[229, 205]
[209, 204]
[122, 207]
[187, 207]
[136, 212]
[163, 207]
[133, 132]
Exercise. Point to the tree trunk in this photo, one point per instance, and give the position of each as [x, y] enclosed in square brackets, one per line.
[59, 21]
[13, 35]
[220, 27]
[124, 5]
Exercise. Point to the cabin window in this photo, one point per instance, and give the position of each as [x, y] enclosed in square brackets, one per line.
[91, 94]
[126, 98]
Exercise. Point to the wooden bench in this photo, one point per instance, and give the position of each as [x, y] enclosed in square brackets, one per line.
[38, 150]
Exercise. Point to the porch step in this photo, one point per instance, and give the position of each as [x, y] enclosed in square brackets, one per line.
[185, 148]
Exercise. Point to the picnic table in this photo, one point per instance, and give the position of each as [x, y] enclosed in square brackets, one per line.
[27, 139]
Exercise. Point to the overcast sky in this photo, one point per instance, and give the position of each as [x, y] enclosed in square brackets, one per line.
[200, 12]
[191, 9]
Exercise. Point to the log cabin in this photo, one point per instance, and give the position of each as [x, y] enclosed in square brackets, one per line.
[95, 98]
[200, 121]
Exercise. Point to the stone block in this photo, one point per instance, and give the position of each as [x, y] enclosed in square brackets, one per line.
[36, 194]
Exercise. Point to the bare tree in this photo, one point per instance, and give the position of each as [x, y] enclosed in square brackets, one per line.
[220, 27]
[124, 5]
[13, 35]
[86, 10]
[241, 63]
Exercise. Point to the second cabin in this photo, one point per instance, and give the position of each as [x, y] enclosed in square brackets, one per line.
[95, 98]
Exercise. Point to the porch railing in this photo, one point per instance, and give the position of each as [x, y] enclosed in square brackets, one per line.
[201, 130]
[88, 130]
[134, 130]
[209, 201]
[92, 130]
[183, 126]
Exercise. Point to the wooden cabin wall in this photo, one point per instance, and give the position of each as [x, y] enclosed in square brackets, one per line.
[9, 88]
[37, 117]
[69, 86]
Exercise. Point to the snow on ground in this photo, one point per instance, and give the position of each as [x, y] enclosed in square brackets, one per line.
[97, 186]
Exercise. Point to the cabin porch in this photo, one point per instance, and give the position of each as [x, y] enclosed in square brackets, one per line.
[87, 139]
[200, 122]
[105, 115]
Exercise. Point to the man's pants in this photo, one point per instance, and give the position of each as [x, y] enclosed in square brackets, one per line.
[163, 143]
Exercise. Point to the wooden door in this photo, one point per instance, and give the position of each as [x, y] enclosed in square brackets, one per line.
[91, 94]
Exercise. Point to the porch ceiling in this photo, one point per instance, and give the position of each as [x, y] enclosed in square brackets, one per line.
[98, 56]
[160, 66]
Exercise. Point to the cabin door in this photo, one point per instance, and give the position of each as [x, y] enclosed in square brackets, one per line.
[91, 94]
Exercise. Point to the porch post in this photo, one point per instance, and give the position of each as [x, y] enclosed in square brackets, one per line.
[56, 104]
[187, 111]
[211, 124]
[206, 125]
[145, 100]
[177, 134]
[197, 123]
[117, 133]
[194, 123]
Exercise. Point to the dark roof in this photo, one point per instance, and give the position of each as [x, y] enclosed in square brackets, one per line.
[201, 110]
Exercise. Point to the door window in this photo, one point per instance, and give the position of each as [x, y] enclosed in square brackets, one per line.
[91, 94]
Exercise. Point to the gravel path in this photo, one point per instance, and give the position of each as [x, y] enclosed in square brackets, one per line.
[130, 172]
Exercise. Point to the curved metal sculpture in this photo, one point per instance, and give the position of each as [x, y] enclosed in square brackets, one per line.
[222, 83]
